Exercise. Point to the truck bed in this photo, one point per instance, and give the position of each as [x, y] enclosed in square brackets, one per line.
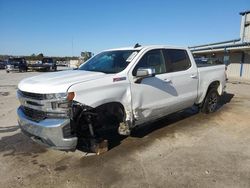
[206, 65]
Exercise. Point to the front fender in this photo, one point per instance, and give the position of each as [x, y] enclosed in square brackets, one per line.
[98, 92]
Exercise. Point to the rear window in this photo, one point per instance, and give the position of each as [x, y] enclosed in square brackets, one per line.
[177, 60]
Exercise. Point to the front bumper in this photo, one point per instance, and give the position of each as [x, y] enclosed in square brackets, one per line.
[48, 132]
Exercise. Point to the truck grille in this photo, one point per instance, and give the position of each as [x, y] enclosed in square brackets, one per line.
[36, 96]
[34, 115]
[38, 107]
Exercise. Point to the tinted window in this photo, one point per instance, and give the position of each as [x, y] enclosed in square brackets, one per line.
[153, 59]
[176, 60]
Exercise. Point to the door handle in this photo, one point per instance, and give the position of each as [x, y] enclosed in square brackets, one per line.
[167, 80]
[193, 76]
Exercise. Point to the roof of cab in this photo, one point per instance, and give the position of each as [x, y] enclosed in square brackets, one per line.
[146, 47]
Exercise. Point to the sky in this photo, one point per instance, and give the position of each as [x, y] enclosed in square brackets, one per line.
[65, 28]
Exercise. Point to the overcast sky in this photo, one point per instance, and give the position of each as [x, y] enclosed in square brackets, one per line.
[63, 28]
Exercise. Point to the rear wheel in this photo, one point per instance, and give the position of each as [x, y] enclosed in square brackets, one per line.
[211, 101]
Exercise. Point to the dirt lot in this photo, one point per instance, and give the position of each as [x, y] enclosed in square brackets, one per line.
[188, 149]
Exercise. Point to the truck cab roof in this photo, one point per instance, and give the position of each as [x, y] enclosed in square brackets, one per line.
[147, 47]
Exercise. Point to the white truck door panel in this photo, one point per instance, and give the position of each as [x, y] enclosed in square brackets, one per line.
[153, 97]
[184, 75]
[185, 83]
[172, 89]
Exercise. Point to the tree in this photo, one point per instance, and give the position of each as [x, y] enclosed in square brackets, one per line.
[40, 56]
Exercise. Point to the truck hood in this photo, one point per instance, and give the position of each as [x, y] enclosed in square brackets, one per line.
[57, 82]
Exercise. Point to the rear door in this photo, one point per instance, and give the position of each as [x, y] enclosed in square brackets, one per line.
[184, 77]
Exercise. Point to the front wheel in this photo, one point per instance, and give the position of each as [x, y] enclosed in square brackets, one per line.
[211, 101]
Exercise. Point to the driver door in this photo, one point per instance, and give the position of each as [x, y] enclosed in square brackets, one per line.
[153, 96]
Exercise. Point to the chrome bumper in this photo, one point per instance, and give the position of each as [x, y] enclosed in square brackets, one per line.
[48, 132]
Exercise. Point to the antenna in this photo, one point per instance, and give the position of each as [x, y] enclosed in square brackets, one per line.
[137, 45]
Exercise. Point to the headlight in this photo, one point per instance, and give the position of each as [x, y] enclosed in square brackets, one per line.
[56, 96]
[49, 96]
[64, 103]
[61, 95]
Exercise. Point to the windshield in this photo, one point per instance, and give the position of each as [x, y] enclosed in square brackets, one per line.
[110, 61]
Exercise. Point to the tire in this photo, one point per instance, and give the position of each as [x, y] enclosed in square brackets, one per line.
[211, 101]
[7, 71]
[53, 69]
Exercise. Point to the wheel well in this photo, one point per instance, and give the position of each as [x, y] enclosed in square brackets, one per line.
[214, 84]
[105, 116]
[114, 108]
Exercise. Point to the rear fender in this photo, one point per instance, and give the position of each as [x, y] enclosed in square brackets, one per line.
[214, 84]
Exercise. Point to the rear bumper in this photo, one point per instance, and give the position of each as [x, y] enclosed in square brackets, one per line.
[48, 132]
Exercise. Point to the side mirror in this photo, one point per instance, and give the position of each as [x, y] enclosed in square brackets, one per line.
[145, 72]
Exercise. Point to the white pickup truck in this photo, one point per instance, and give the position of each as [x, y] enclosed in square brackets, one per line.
[118, 88]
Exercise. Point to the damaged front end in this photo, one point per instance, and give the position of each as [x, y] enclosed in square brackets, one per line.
[83, 125]
[45, 118]
[60, 122]
[94, 126]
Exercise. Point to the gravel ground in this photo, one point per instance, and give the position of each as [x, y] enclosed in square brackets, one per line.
[187, 149]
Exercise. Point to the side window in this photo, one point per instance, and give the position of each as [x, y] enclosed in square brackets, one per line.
[177, 60]
[153, 59]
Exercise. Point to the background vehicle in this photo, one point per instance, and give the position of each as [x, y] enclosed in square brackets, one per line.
[46, 64]
[16, 64]
[118, 89]
[62, 63]
[202, 61]
[2, 64]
